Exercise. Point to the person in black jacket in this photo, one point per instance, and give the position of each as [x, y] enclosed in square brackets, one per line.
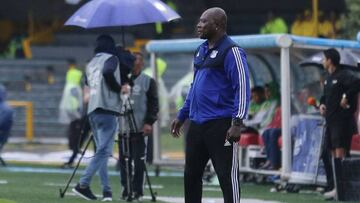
[145, 106]
[338, 105]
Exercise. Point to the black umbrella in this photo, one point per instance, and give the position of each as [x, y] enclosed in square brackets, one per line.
[347, 59]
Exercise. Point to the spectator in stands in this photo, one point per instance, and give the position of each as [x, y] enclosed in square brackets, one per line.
[6, 119]
[338, 105]
[163, 92]
[27, 83]
[325, 27]
[81, 132]
[308, 25]
[335, 21]
[304, 25]
[270, 138]
[50, 78]
[264, 115]
[15, 49]
[257, 99]
[274, 25]
[103, 79]
[71, 106]
[297, 25]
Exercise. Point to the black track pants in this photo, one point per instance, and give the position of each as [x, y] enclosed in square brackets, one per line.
[204, 141]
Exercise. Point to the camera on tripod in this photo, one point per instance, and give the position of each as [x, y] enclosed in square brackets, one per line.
[132, 147]
[126, 61]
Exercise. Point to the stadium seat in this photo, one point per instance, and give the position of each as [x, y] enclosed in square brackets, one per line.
[355, 144]
[249, 139]
[261, 141]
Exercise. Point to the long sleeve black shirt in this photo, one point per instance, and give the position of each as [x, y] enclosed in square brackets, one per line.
[336, 84]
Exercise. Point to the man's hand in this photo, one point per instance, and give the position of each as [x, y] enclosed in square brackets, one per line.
[125, 89]
[344, 103]
[322, 109]
[175, 127]
[147, 129]
[234, 132]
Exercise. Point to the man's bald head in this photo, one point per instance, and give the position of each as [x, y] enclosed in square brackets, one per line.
[212, 24]
[219, 17]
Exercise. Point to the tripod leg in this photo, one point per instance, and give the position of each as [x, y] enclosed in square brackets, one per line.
[2, 162]
[124, 159]
[153, 197]
[62, 193]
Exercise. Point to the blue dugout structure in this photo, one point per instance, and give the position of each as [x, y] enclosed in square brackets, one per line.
[284, 42]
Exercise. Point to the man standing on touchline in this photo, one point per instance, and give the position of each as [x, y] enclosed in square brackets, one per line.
[217, 103]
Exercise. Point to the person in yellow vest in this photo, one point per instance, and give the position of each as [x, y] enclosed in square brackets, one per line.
[309, 27]
[335, 21]
[50, 78]
[274, 25]
[297, 25]
[325, 29]
[71, 105]
[163, 93]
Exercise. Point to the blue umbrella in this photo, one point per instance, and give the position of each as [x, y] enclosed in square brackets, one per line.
[108, 13]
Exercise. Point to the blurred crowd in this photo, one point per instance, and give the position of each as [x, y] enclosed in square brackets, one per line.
[324, 25]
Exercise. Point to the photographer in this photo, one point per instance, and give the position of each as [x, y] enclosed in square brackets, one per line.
[103, 79]
[144, 101]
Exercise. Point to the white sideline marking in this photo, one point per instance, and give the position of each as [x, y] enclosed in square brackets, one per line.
[69, 171]
[3, 182]
[208, 200]
[73, 185]
[181, 199]
[59, 184]
[216, 189]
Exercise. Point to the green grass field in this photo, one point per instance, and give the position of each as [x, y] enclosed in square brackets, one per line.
[31, 187]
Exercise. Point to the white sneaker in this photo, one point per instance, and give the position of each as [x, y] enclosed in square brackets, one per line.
[107, 197]
[331, 194]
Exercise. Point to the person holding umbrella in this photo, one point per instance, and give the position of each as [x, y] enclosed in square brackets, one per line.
[216, 104]
[338, 105]
[103, 79]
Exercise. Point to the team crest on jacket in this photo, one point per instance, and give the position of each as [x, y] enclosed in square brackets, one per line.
[213, 53]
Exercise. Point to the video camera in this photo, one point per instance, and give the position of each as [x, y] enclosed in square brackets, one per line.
[126, 60]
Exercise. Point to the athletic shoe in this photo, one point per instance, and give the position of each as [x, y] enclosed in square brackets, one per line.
[330, 195]
[124, 194]
[138, 197]
[107, 196]
[67, 166]
[84, 192]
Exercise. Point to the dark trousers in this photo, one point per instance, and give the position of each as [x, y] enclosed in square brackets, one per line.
[138, 156]
[273, 153]
[204, 142]
[326, 157]
[78, 133]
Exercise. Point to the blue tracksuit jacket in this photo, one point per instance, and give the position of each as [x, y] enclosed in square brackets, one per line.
[220, 88]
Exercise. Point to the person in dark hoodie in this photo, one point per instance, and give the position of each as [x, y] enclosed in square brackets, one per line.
[6, 119]
[103, 79]
[338, 105]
